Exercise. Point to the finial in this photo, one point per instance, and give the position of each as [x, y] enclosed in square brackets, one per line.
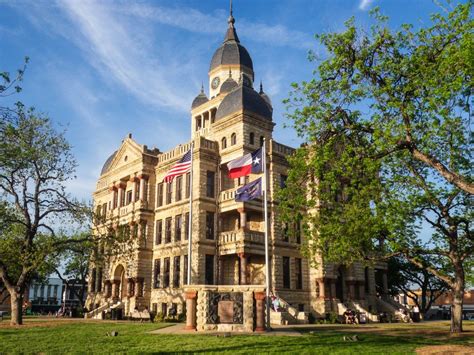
[261, 87]
[202, 87]
[231, 19]
[230, 73]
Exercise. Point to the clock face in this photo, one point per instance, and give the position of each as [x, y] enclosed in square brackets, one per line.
[215, 82]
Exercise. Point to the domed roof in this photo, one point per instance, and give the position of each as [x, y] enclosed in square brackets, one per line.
[231, 51]
[200, 99]
[228, 85]
[107, 163]
[243, 98]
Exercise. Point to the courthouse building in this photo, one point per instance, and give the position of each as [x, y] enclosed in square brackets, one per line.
[232, 119]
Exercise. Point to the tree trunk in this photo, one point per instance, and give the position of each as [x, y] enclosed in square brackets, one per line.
[16, 301]
[456, 309]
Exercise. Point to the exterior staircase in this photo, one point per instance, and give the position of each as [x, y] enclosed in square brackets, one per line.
[360, 308]
[393, 308]
[287, 315]
[98, 312]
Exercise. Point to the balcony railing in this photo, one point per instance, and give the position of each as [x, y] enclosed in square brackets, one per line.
[241, 237]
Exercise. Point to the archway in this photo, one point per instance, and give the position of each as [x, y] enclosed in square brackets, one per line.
[119, 277]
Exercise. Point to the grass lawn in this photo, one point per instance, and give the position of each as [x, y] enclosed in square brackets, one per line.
[74, 336]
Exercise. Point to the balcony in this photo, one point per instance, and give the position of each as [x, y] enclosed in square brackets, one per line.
[227, 202]
[242, 241]
[131, 207]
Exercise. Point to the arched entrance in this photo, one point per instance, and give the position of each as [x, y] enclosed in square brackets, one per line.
[119, 280]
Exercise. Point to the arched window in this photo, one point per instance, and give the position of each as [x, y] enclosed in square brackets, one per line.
[224, 143]
[252, 138]
[261, 141]
[233, 139]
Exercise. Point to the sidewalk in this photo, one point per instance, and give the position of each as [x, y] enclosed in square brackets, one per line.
[178, 329]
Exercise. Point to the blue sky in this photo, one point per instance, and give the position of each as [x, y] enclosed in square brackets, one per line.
[104, 68]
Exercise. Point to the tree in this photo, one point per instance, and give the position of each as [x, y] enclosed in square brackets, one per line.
[35, 164]
[386, 121]
[415, 283]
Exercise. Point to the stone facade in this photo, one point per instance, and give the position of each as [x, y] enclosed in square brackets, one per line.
[227, 236]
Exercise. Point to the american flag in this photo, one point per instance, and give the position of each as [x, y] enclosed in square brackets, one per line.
[180, 168]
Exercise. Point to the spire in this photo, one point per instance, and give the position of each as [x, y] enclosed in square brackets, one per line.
[202, 88]
[231, 34]
[261, 87]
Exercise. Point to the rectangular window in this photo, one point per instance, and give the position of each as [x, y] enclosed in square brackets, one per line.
[298, 231]
[122, 199]
[176, 271]
[179, 188]
[104, 209]
[157, 274]
[99, 280]
[178, 223]
[286, 272]
[159, 195]
[158, 232]
[169, 192]
[186, 226]
[210, 183]
[115, 199]
[164, 309]
[185, 270]
[209, 274]
[299, 274]
[168, 230]
[154, 308]
[283, 179]
[188, 183]
[166, 272]
[129, 197]
[209, 225]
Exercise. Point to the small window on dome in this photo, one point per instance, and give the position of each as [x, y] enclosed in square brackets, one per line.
[224, 143]
[252, 138]
[233, 139]
[126, 158]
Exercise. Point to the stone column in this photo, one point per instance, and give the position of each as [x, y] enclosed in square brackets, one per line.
[259, 311]
[221, 269]
[385, 282]
[133, 179]
[143, 193]
[243, 218]
[121, 190]
[333, 289]
[113, 189]
[243, 269]
[191, 297]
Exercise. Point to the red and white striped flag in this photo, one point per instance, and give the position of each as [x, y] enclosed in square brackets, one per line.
[180, 168]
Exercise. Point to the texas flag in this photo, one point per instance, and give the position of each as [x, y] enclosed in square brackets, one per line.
[248, 164]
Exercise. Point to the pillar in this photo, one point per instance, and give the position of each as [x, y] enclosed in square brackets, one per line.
[113, 189]
[191, 298]
[243, 269]
[333, 288]
[259, 311]
[143, 187]
[385, 282]
[121, 191]
[243, 218]
[134, 188]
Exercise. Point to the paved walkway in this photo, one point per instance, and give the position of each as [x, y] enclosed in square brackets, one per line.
[178, 329]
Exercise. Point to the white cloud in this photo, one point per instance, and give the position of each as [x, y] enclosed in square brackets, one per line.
[365, 4]
[112, 49]
[195, 21]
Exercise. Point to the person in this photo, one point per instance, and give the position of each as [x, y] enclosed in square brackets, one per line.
[275, 303]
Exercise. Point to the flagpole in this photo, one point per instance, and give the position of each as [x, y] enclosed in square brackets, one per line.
[267, 261]
[190, 219]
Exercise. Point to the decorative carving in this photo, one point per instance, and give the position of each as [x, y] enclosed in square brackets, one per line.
[238, 306]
